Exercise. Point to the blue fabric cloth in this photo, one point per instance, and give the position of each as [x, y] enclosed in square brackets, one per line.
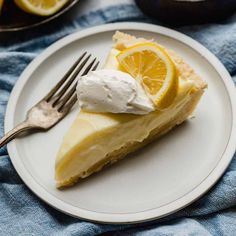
[22, 213]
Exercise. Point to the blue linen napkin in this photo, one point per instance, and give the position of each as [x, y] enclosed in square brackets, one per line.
[22, 213]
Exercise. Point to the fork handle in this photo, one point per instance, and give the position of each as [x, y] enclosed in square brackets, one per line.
[24, 126]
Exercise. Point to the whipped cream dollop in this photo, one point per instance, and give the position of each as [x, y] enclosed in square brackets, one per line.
[112, 91]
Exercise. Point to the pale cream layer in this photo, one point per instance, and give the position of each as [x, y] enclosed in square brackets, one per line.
[94, 135]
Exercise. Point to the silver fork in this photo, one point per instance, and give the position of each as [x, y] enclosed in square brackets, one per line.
[56, 104]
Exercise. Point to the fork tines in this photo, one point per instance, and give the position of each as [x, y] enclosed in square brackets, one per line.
[63, 95]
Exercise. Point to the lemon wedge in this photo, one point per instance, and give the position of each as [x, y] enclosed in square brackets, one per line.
[153, 68]
[41, 7]
[1, 4]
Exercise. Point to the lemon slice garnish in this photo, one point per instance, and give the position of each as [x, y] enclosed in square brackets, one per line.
[153, 68]
[41, 7]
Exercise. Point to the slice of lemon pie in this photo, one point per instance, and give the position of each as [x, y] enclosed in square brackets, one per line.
[143, 92]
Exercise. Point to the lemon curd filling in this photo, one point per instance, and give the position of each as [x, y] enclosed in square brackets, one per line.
[100, 134]
[97, 139]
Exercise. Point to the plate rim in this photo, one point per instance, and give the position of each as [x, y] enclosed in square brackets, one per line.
[128, 218]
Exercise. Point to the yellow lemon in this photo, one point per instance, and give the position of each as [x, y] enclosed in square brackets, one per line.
[1, 4]
[41, 7]
[153, 68]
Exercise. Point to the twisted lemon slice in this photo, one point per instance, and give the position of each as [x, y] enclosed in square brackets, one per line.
[151, 65]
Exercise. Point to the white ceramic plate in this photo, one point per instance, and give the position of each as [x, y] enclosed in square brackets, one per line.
[160, 179]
